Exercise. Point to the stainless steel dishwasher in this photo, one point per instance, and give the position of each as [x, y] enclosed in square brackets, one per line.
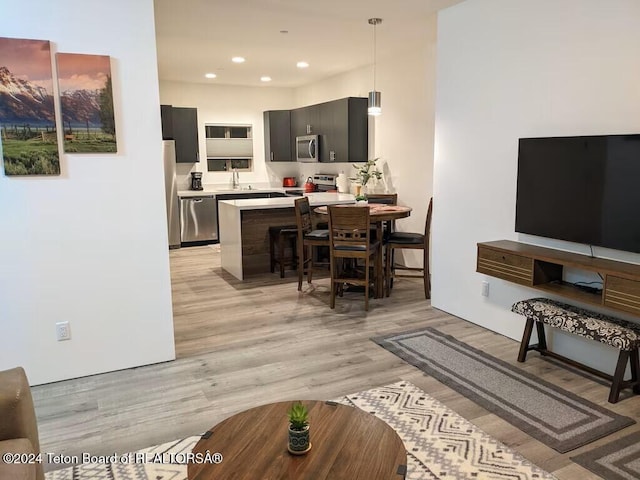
[198, 219]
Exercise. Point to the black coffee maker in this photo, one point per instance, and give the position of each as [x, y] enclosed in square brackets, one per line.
[196, 180]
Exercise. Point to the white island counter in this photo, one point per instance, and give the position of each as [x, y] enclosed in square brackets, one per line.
[244, 228]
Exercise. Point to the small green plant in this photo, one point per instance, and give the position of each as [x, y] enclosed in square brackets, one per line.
[298, 416]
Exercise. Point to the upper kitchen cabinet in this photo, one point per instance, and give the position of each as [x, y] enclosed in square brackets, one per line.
[305, 121]
[344, 130]
[185, 133]
[277, 136]
[166, 114]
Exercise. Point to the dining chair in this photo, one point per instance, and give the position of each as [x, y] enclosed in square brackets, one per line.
[389, 226]
[308, 239]
[279, 237]
[350, 238]
[385, 199]
[408, 240]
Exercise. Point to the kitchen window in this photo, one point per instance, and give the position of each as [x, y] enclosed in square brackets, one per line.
[229, 147]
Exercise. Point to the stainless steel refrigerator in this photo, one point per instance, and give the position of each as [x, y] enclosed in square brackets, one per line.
[171, 188]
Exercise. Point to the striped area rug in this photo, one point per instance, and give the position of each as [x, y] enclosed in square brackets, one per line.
[617, 460]
[440, 445]
[551, 414]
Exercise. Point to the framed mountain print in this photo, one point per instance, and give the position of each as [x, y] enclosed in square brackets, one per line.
[86, 103]
[27, 113]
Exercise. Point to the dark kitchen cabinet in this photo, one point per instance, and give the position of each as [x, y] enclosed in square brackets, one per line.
[277, 136]
[185, 133]
[166, 114]
[343, 129]
[304, 121]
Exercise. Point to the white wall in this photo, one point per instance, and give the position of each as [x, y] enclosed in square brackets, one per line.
[90, 246]
[516, 69]
[231, 105]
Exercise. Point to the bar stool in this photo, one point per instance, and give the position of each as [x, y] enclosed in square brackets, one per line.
[279, 236]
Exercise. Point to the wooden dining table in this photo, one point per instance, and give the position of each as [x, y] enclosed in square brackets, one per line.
[378, 214]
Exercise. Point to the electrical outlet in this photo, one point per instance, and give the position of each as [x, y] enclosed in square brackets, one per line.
[63, 331]
[485, 288]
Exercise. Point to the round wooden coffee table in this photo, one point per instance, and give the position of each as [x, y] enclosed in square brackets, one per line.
[347, 443]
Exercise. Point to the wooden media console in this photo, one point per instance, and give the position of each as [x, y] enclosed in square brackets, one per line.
[541, 268]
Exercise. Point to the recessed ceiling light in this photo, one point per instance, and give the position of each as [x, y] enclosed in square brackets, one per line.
[265, 79]
[302, 64]
[210, 75]
[238, 59]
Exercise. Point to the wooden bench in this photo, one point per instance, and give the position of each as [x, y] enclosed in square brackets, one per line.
[621, 334]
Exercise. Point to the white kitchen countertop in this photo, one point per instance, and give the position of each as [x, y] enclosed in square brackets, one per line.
[220, 189]
[315, 199]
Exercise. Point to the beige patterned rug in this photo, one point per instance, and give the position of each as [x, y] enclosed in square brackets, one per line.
[440, 445]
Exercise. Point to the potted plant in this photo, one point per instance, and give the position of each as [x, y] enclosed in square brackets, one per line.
[298, 429]
[364, 173]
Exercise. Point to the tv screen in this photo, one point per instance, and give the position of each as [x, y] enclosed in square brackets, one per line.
[581, 189]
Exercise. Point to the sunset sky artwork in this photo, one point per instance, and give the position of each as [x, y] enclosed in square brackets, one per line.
[28, 60]
[82, 72]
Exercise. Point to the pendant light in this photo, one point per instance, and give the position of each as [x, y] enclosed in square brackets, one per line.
[374, 95]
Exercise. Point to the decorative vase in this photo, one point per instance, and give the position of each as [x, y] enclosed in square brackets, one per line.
[375, 185]
[299, 443]
[361, 194]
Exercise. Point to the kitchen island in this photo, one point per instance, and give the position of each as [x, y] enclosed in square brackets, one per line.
[244, 228]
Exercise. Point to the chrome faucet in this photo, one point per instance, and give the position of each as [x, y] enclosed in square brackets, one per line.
[235, 179]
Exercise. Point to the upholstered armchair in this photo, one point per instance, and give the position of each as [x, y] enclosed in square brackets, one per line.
[18, 427]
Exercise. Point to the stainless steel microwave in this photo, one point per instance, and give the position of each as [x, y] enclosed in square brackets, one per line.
[307, 148]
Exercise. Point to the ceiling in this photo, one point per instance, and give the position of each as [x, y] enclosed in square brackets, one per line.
[195, 37]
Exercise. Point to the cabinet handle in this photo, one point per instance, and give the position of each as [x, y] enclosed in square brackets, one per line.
[308, 129]
[271, 156]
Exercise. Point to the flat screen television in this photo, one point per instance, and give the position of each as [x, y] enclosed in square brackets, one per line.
[581, 189]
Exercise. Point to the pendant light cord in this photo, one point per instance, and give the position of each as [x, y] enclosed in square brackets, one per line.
[374, 56]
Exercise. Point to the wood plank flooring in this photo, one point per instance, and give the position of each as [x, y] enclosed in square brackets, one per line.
[240, 344]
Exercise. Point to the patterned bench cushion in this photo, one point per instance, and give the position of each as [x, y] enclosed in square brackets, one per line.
[596, 326]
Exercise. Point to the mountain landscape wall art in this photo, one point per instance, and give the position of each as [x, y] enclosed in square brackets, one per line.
[86, 103]
[27, 113]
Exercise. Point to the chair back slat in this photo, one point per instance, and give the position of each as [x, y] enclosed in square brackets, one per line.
[303, 215]
[384, 198]
[349, 226]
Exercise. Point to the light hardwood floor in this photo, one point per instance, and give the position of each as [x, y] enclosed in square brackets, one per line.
[240, 344]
